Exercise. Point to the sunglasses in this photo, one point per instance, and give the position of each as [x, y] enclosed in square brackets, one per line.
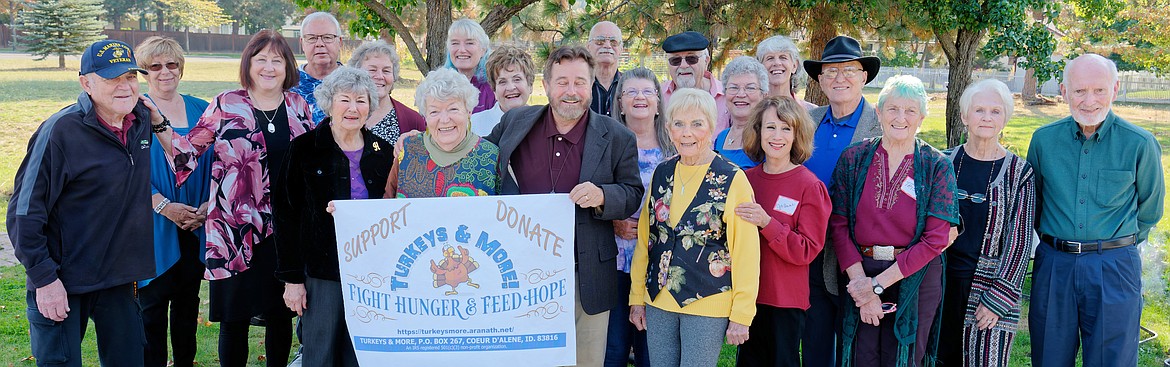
[156, 67]
[606, 41]
[677, 60]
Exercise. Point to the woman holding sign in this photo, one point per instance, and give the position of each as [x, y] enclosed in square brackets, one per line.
[792, 213]
[339, 160]
[697, 264]
[447, 159]
[893, 208]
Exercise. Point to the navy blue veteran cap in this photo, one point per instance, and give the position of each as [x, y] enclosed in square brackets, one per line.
[109, 59]
[685, 41]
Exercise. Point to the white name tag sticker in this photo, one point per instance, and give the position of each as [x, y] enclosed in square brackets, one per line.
[908, 188]
[785, 205]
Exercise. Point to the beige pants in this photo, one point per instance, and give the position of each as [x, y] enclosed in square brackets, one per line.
[592, 332]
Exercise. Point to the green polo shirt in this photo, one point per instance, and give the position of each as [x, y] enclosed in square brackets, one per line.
[1105, 186]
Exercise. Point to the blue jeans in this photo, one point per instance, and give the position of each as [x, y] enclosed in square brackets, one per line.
[116, 321]
[622, 335]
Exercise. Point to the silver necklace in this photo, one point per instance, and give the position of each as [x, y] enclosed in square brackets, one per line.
[271, 127]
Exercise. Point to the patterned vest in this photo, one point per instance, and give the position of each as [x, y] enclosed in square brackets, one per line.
[690, 259]
[473, 175]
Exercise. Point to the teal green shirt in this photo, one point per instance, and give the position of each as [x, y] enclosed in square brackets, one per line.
[1105, 186]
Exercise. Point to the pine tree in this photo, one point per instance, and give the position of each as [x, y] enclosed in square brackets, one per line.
[60, 27]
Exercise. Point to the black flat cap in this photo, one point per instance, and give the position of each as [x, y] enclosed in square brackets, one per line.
[685, 41]
[843, 49]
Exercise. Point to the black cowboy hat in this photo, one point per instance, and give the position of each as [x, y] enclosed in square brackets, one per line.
[843, 49]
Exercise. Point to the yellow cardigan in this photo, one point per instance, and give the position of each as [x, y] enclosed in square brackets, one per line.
[743, 242]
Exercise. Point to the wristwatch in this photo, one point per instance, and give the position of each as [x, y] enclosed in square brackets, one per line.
[877, 287]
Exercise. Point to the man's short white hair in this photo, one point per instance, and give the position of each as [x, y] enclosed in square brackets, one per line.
[1109, 65]
[322, 15]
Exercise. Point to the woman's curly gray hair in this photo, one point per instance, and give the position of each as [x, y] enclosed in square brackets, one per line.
[747, 65]
[369, 49]
[345, 79]
[442, 84]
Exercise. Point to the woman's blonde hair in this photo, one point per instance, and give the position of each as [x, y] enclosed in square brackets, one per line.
[691, 99]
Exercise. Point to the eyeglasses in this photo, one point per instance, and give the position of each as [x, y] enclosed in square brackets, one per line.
[612, 42]
[633, 93]
[313, 38]
[848, 71]
[677, 60]
[975, 198]
[170, 65]
[733, 90]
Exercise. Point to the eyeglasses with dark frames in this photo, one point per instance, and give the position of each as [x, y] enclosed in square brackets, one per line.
[326, 38]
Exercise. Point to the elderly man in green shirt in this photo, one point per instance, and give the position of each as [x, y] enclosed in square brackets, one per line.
[1100, 191]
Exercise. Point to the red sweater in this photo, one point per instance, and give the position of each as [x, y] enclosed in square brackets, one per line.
[799, 205]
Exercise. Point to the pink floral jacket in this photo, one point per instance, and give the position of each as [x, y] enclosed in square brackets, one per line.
[241, 203]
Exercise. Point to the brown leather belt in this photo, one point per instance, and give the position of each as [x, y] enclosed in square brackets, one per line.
[868, 251]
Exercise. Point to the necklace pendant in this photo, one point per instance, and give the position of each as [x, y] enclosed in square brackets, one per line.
[271, 128]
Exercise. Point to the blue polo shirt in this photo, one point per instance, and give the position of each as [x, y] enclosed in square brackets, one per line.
[831, 138]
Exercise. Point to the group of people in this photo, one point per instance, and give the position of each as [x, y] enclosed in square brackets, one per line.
[707, 210]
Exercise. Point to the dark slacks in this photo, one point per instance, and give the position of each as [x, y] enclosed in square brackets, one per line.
[178, 289]
[774, 338]
[622, 336]
[116, 321]
[1090, 299]
[950, 342]
[877, 345]
[326, 336]
[822, 325]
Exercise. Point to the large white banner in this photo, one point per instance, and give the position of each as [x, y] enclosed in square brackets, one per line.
[478, 281]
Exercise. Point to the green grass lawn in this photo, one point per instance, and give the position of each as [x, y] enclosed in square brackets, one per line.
[30, 91]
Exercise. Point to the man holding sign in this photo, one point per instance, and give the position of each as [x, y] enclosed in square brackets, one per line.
[564, 148]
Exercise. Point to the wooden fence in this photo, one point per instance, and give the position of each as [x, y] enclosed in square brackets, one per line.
[192, 42]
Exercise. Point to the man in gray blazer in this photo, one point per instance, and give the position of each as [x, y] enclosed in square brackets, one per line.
[565, 148]
[842, 73]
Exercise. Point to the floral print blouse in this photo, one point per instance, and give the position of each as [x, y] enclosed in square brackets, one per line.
[239, 212]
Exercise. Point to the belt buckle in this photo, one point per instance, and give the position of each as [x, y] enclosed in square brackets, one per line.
[883, 253]
[1073, 247]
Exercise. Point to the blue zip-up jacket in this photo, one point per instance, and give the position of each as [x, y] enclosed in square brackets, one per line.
[80, 209]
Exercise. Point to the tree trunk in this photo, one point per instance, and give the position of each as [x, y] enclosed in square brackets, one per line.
[925, 54]
[60, 61]
[1028, 94]
[823, 30]
[500, 14]
[159, 16]
[438, 21]
[411, 45]
[960, 53]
